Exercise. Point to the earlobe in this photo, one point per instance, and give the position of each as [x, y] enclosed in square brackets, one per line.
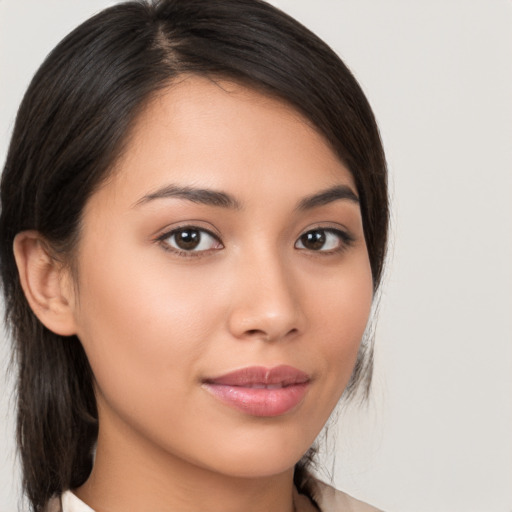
[45, 282]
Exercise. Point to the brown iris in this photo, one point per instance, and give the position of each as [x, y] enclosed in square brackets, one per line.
[313, 240]
[187, 239]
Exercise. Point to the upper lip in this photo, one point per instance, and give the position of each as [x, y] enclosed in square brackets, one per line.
[281, 376]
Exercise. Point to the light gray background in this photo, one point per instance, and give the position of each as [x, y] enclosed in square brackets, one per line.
[437, 434]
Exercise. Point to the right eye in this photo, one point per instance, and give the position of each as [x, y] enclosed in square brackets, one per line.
[190, 239]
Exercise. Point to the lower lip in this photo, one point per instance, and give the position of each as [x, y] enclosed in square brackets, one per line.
[260, 401]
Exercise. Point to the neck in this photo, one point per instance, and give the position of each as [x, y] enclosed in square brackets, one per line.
[136, 475]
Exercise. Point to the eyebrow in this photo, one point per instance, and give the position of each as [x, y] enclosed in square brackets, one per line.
[339, 192]
[225, 200]
[196, 195]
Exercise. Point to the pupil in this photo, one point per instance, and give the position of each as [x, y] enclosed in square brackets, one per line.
[313, 240]
[188, 239]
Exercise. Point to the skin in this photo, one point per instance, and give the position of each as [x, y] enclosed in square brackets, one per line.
[156, 320]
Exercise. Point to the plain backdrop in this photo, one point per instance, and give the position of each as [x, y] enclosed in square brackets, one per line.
[436, 435]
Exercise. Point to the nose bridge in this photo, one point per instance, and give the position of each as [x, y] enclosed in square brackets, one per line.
[265, 303]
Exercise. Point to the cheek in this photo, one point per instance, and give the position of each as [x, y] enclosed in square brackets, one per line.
[342, 314]
[140, 324]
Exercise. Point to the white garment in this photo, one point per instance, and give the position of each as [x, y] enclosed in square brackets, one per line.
[329, 499]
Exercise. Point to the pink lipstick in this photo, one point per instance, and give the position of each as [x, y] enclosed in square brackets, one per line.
[260, 391]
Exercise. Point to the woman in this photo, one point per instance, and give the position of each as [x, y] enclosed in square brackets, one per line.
[194, 222]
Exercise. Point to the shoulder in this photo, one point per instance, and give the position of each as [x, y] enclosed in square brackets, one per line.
[332, 500]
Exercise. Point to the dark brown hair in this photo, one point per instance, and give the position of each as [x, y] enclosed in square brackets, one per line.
[70, 130]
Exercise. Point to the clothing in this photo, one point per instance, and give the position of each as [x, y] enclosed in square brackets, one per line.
[329, 499]
[332, 500]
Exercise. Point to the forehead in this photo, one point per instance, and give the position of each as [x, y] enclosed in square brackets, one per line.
[224, 135]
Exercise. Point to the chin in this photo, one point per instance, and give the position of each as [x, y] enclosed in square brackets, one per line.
[260, 467]
[260, 458]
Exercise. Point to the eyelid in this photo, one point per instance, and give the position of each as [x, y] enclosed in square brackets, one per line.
[189, 223]
[333, 227]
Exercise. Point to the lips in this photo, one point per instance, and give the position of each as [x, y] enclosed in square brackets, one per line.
[260, 391]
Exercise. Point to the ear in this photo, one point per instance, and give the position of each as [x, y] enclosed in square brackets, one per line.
[46, 282]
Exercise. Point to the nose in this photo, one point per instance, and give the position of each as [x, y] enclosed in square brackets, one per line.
[266, 300]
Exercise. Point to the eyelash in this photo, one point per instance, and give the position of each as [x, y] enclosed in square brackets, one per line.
[345, 240]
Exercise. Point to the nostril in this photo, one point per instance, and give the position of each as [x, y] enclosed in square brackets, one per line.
[256, 332]
[259, 333]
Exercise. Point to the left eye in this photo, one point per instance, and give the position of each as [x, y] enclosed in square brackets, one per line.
[323, 240]
[190, 239]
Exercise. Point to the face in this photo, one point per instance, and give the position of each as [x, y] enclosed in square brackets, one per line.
[223, 283]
